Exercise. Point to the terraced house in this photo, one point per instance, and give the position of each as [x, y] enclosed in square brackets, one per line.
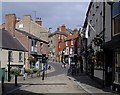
[31, 35]
[13, 49]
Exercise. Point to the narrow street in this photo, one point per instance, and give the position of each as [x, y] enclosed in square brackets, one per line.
[56, 81]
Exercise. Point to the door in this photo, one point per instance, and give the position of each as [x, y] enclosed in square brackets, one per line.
[108, 67]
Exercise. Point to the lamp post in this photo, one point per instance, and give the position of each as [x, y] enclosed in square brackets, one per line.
[43, 62]
[9, 67]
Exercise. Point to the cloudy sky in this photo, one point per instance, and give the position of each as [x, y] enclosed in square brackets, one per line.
[53, 14]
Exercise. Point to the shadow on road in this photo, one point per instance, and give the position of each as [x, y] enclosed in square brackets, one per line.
[85, 79]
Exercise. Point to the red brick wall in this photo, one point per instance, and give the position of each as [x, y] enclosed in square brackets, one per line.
[45, 49]
[38, 47]
[57, 44]
[10, 20]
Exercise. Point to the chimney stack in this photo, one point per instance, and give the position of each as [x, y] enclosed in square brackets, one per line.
[10, 21]
[27, 18]
[50, 30]
[63, 28]
[17, 20]
[58, 29]
[38, 21]
[27, 22]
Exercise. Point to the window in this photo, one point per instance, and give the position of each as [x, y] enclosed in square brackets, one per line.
[66, 43]
[20, 26]
[20, 57]
[72, 42]
[32, 42]
[41, 44]
[116, 18]
[59, 46]
[58, 36]
[10, 56]
[116, 25]
[35, 43]
[117, 67]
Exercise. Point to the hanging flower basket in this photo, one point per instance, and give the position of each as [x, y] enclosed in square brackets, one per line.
[30, 59]
[98, 41]
[99, 55]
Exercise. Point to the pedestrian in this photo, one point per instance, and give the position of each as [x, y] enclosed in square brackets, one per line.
[24, 76]
[63, 62]
[46, 63]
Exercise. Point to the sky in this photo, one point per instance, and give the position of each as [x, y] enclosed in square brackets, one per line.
[53, 14]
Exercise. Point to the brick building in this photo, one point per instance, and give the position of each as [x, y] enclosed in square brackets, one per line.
[64, 36]
[30, 34]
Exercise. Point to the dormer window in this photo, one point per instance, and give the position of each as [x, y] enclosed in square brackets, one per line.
[20, 26]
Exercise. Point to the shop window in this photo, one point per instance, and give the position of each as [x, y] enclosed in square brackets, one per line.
[117, 67]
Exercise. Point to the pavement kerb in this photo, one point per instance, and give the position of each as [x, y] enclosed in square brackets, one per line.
[20, 79]
[79, 84]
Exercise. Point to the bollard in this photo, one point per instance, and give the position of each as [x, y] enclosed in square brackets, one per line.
[2, 83]
[43, 75]
[15, 80]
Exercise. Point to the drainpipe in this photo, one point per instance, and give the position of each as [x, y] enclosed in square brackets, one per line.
[103, 42]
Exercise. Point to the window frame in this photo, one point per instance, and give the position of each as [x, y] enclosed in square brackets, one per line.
[113, 19]
[20, 57]
[10, 55]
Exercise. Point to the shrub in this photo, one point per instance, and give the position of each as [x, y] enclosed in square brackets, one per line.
[29, 71]
[15, 71]
[35, 70]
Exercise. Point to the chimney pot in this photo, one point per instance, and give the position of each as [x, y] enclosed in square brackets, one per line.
[50, 30]
[38, 21]
[63, 28]
[58, 29]
[17, 20]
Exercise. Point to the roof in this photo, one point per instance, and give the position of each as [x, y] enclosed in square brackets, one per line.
[70, 37]
[58, 32]
[31, 36]
[8, 42]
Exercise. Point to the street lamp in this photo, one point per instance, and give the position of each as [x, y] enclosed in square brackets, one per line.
[9, 66]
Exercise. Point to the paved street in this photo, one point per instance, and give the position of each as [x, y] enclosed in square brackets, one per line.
[56, 81]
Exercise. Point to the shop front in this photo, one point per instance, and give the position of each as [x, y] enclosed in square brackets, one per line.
[112, 51]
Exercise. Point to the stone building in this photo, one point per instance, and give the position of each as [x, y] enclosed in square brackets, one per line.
[97, 27]
[28, 33]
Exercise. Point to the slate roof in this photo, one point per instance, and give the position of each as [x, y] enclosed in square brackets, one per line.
[10, 43]
[31, 36]
[58, 32]
[70, 37]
